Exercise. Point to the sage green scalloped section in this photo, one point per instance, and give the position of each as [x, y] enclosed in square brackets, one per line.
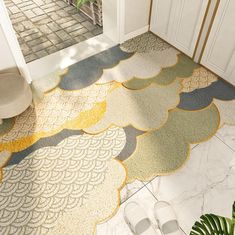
[165, 150]
[145, 109]
[182, 69]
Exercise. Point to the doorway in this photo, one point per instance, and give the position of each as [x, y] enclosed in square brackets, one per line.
[44, 27]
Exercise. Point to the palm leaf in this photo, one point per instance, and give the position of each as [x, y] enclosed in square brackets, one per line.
[211, 224]
[234, 210]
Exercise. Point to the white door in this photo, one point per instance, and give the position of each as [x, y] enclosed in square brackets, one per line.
[178, 22]
[161, 18]
[219, 54]
[9, 35]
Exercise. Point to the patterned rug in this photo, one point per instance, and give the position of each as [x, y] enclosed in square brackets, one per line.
[130, 112]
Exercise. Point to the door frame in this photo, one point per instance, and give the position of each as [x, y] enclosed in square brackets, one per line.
[113, 28]
[13, 43]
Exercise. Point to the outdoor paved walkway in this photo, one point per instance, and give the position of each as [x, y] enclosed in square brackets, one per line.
[46, 26]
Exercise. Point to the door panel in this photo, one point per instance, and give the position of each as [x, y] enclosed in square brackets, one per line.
[178, 22]
[160, 20]
[188, 22]
[219, 54]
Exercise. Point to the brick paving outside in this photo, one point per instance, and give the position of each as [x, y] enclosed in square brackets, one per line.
[46, 26]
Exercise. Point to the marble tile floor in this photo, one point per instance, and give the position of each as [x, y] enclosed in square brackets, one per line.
[206, 184]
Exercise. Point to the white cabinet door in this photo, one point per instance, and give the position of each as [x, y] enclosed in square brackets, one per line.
[219, 54]
[178, 22]
[162, 11]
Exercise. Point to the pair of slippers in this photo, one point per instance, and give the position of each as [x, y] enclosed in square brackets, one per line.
[140, 224]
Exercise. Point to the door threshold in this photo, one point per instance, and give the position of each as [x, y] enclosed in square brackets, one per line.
[68, 56]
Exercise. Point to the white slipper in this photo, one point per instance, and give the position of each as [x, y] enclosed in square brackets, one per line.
[137, 220]
[166, 218]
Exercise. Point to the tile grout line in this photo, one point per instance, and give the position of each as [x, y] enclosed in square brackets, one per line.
[132, 194]
[151, 192]
[224, 143]
[195, 146]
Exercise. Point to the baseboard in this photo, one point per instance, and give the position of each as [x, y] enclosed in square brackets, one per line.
[135, 33]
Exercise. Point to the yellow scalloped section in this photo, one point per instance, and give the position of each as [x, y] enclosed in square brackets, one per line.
[84, 120]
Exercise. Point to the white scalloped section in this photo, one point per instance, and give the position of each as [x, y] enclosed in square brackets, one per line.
[140, 65]
[77, 177]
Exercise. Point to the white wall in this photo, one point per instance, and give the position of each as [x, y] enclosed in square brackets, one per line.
[7, 62]
[125, 19]
[136, 15]
[111, 25]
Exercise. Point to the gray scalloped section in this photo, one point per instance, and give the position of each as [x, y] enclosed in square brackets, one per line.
[44, 142]
[131, 140]
[201, 98]
[88, 71]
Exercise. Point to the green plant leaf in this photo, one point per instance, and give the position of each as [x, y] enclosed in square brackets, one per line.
[211, 224]
[79, 3]
[233, 211]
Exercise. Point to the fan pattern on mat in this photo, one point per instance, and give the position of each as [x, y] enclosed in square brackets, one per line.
[55, 180]
[200, 78]
[56, 109]
[144, 43]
